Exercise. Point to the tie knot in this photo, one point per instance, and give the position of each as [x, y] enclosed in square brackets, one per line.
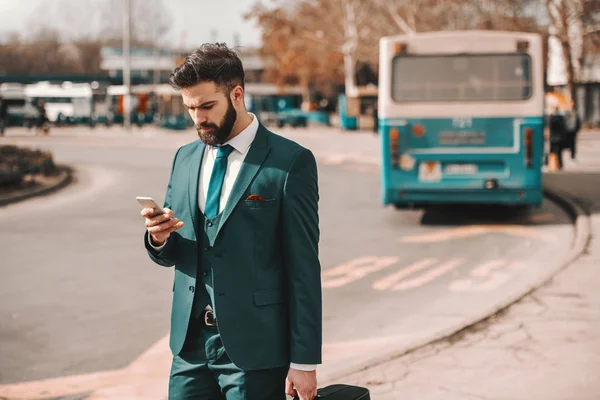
[224, 151]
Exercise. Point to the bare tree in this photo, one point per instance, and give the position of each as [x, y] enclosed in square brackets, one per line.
[45, 53]
[299, 35]
[574, 24]
[309, 38]
[350, 9]
[298, 49]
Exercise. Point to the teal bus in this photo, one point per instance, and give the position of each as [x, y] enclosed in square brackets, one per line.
[461, 118]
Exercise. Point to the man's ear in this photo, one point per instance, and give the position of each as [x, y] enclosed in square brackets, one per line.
[237, 95]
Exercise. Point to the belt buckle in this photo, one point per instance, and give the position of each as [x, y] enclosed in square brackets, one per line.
[209, 318]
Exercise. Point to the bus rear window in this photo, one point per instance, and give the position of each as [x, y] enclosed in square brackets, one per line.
[469, 77]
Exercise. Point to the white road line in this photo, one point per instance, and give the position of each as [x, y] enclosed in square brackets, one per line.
[429, 275]
[354, 270]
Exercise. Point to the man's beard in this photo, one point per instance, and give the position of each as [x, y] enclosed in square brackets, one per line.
[219, 133]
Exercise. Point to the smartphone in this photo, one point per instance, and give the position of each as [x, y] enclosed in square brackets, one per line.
[148, 202]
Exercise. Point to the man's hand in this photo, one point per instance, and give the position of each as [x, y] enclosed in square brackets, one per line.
[161, 226]
[302, 384]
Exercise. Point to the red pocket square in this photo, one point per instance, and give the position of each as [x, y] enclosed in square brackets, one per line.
[255, 197]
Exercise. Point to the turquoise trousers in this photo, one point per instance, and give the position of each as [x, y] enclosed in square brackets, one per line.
[203, 370]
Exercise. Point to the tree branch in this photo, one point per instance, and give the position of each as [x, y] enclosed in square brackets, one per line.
[396, 17]
[591, 29]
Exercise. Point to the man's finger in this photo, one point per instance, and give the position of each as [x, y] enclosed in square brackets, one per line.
[289, 388]
[162, 228]
[164, 235]
[304, 395]
[157, 220]
[309, 396]
[175, 227]
[168, 224]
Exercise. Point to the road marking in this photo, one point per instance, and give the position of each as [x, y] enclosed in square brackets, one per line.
[354, 270]
[493, 278]
[487, 268]
[393, 279]
[476, 230]
[429, 275]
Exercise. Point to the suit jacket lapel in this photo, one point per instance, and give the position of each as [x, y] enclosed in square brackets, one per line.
[256, 156]
[194, 180]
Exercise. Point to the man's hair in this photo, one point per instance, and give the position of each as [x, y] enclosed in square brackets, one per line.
[210, 63]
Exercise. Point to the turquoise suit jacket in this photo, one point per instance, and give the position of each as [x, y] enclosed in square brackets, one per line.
[267, 275]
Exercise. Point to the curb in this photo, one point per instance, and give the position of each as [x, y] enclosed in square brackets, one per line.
[582, 236]
[67, 177]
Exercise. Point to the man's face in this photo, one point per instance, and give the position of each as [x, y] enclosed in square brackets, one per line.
[212, 111]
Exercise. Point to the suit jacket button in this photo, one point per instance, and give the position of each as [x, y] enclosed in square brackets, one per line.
[192, 289]
[209, 223]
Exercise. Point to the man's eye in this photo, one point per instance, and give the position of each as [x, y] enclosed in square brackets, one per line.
[207, 107]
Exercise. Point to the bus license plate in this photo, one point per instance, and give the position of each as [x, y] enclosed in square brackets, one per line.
[460, 169]
[461, 138]
[430, 171]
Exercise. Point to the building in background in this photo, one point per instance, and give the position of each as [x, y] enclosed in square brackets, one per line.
[154, 66]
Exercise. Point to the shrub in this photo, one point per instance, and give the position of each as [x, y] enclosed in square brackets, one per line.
[16, 163]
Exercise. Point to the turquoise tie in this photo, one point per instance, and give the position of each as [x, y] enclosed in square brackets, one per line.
[215, 186]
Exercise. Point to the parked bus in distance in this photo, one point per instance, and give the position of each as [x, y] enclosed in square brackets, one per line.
[461, 118]
[66, 103]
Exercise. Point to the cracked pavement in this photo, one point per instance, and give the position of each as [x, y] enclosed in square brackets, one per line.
[546, 346]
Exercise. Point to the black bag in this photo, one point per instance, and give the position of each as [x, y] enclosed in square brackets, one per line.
[342, 392]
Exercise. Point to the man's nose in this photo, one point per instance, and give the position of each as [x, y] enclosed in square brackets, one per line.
[199, 117]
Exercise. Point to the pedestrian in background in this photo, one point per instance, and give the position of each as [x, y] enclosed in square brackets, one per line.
[572, 127]
[42, 118]
[3, 115]
[557, 127]
[375, 119]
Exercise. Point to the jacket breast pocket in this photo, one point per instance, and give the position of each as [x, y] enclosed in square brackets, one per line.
[260, 204]
[269, 296]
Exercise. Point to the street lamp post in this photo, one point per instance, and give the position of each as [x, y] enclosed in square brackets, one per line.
[127, 63]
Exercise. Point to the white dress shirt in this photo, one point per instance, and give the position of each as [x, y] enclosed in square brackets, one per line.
[241, 144]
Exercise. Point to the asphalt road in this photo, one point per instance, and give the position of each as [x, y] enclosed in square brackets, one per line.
[79, 295]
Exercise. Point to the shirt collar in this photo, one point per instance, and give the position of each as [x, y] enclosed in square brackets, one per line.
[242, 141]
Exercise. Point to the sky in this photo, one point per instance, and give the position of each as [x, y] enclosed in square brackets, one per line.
[193, 21]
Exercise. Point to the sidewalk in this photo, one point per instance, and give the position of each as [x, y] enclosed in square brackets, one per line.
[547, 346]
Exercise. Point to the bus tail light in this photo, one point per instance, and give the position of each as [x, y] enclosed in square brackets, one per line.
[418, 130]
[395, 145]
[400, 48]
[522, 46]
[528, 147]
